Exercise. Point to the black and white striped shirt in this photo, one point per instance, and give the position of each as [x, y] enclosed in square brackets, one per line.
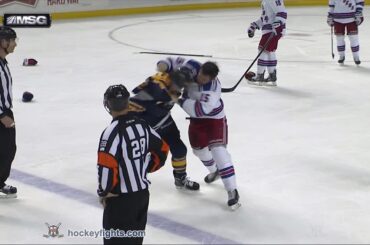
[6, 96]
[128, 150]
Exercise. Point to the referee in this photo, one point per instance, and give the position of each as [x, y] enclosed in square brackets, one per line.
[128, 150]
[7, 125]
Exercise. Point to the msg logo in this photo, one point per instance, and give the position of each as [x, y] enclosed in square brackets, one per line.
[27, 20]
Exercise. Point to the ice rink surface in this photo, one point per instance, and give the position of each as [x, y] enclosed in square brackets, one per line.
[300, 150]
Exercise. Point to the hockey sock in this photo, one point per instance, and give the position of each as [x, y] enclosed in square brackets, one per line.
[179, 165]
[225, 167]
[355, 46]
[206, 157]
[341, 45]
[272, 62]
[262, 63]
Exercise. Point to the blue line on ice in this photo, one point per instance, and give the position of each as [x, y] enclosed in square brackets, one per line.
[154, 220]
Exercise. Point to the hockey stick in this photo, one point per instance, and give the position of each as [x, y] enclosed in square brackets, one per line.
[227, 90]
[332, 46]
[179, 54]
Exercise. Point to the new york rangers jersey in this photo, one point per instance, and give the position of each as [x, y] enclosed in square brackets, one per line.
[272, 11]
[343, 11]
[199, 101]
[173, 64]
[204, 101]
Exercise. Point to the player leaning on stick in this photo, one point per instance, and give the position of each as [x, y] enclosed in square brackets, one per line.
[272, 20]
[7, 126]
[346, 14]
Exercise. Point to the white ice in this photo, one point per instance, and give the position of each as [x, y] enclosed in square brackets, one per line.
[301, 150]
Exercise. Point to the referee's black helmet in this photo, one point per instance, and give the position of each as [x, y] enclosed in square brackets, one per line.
[7, 33]
[116, 98]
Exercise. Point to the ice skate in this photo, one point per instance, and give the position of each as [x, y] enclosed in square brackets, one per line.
[233, 199]
[357, 61]
[341, 60]
[271, 80]
[8, 191]
[184, 182]
[211, 177]
[257, 79]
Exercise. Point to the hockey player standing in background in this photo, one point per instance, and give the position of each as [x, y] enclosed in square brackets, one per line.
[346, 14]
[272, 20]
[7, 125]
[154, 96]
[128, 150]
[208, 125]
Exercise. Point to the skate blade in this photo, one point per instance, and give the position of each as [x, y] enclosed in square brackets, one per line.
[185, 189]
[235, 206]
[254, 83]
[270, 84]
[8, 196]
[209, 182]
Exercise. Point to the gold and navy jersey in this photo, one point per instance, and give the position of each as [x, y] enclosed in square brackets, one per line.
[128, 149]
[153, 95]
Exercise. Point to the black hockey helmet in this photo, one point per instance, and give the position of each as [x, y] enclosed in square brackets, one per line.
[116, 98]
[178, 79]
[187, 73]
[7, 33]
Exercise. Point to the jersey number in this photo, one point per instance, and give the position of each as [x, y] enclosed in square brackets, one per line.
[138, 148]
[278, 3]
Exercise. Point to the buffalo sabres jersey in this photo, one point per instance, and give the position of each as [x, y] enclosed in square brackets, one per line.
[272, 11]
[343, 11]
[153, 96]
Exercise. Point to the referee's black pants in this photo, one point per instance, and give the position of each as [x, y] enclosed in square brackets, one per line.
[127, 212]
[7, 150]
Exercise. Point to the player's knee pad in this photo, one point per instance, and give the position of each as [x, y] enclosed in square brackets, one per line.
[353, 40]
[221, 155]
[340, 39]
[272, 55]
[203, 154]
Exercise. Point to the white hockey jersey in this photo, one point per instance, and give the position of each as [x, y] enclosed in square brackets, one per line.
[172, 63]
[343, 11]
[204, 101]
[272, 11]
[199, 101]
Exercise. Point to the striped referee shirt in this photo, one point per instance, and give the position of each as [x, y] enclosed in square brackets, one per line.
[6, 96]
[128, 150]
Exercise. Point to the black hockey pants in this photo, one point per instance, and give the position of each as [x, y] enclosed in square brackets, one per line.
[128, 213]
[7, 150]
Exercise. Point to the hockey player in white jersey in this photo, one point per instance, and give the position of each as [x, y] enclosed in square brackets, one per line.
[346, 15]
[208, 137]
[272, 20]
